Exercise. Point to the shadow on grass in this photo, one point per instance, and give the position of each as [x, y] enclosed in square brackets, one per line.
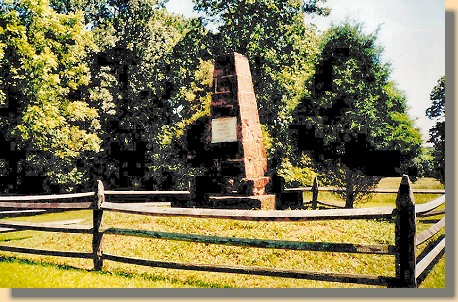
[429, 221]
[321, 205]
[15, 239]
[40, 263]
[117, 273]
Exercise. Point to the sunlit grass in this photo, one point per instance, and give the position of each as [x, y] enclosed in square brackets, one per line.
[174, 251]
[23, 270]
[420, 183]
[383, 199]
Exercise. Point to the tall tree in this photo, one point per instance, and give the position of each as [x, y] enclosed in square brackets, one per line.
[425, 162]
[97, 12]
[44, 67]
[437, 132]
[148, 81]
[280, 48]
[355, 123]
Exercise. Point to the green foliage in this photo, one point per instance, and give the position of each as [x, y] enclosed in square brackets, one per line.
[44, 66]
[97, 12]
[92, 78]
[301, 175]
[425, 162]
[150, 83]
[437, 132]
[437, 96]
[49, 52]
[361, 101]
[280, 49]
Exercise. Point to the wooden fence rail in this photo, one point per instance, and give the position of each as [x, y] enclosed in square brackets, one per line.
[408, 270]
[259, 215]
[76, 201]
[392, 191]
[47, 198]
[380, 249]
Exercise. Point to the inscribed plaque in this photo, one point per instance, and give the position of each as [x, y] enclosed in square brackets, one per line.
[224, 129]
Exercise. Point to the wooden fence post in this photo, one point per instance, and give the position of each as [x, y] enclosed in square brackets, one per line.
[97, 220]
[405, 236]
[314, 193]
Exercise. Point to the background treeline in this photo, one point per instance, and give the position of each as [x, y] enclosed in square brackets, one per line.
[107, 89]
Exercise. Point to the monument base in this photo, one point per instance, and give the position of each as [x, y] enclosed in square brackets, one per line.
[263, 202]
[253, 186]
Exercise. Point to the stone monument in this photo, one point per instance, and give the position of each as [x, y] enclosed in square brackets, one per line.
[232, 143]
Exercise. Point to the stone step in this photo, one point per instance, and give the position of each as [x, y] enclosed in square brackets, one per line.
[263, 202]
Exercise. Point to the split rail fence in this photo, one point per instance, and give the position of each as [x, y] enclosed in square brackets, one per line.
[404, 215]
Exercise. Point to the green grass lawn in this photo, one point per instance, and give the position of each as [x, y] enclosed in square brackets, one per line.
[420, 183]
[23, 270]
[384, 199]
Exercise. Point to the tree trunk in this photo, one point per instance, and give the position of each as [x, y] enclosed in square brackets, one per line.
[349, 200]
[349, 192]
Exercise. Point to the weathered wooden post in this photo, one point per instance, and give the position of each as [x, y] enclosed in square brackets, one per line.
[405, 236]
[314, 193]
[97, 220]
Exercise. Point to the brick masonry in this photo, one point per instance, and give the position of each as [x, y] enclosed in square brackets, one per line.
[234, 96]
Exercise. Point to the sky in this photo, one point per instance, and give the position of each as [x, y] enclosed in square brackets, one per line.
[412, 33]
